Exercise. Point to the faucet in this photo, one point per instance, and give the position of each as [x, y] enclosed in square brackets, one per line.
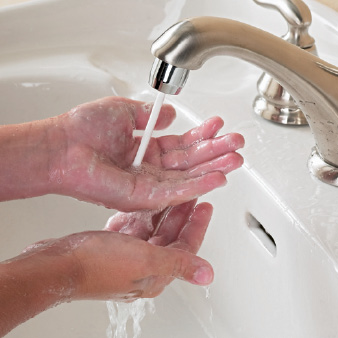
[312, 82]
[273, 102]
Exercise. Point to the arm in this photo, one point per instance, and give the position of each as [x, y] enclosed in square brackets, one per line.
[30, 284]
[139, 255]
[26, 151]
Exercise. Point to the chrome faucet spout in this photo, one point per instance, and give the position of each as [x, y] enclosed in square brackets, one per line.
[311, 81]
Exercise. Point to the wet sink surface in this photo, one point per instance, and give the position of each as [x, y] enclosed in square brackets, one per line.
[274, 233]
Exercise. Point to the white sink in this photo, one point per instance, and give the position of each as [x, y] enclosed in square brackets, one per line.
[59, 53]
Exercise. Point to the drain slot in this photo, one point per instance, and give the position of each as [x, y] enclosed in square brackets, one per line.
[261, 234]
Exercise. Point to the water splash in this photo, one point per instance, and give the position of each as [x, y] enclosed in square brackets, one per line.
[120, 314]
[207, 291]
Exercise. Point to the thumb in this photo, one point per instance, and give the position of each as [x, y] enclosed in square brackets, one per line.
[184, 265]
[142, 112]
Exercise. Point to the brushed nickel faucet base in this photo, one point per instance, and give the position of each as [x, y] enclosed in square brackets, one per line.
[279, 114]
[275, 104]
[325, 172]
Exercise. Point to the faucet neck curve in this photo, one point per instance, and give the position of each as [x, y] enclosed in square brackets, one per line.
[311, 81]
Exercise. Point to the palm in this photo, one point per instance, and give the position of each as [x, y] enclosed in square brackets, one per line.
[101, 148]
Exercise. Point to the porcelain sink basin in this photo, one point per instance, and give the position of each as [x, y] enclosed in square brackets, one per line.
[274, 233]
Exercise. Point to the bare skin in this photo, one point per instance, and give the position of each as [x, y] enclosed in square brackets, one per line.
[133, 258]
[87, 154]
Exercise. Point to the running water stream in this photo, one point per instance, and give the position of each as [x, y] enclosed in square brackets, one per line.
[122, 313]
[149, 129]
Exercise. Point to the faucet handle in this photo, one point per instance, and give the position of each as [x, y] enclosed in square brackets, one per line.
[299, 18]
[273, 102]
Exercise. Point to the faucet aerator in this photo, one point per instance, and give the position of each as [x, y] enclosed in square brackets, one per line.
[167, 78]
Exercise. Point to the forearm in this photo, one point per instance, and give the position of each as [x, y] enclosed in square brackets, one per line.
[30, 286]
[26, 153]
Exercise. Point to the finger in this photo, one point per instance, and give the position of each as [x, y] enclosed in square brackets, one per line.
[202, 152]
[138, 224]
[192, 235]
[206, 130]
[116, 222]
[190, 240]
[153, 195]
[143, 111]
[225, 164]
[170, 262]
[142, 189]
[172, 223]
[156, 286]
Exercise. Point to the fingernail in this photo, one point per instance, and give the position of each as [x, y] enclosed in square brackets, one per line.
[203, 276]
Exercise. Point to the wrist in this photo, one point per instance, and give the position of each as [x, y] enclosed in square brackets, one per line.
[56, 154]
[28, 154]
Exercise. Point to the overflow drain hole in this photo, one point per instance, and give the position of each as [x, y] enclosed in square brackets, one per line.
[261, 234]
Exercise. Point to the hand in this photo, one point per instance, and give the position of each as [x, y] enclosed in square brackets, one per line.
[137, 256]
[97, 147]
[140, 253]
[170, 240]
